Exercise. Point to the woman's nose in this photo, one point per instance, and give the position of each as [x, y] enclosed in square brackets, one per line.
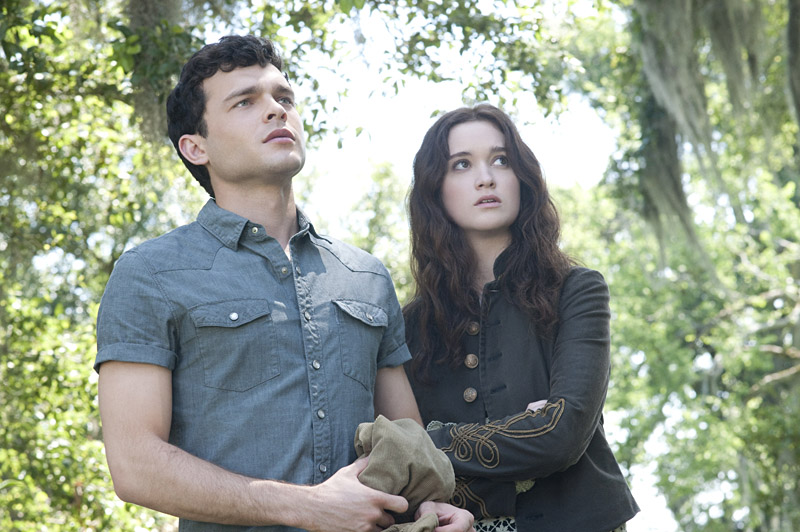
[485, 178]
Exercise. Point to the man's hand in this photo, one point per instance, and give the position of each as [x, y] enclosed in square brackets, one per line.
[343, 504]
[451, 519]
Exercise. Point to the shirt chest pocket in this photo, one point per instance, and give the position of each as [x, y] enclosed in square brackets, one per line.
[361, 328]
[236, 340]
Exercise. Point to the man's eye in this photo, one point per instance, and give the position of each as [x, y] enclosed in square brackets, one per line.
[242, 103]
[286, 101]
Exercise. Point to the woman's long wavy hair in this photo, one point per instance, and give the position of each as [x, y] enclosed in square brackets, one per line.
[443, 264]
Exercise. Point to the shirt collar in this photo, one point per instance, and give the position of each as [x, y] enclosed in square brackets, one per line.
[228, 227]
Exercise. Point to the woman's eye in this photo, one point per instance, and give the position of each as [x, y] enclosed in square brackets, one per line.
[461, 165]
[502, 160]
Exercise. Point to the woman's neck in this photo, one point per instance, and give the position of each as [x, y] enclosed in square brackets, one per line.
[486, 252]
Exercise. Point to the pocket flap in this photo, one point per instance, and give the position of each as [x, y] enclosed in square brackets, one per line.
[231, 313]
[366, 313]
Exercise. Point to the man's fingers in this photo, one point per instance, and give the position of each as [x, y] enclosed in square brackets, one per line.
[395, 503]
[359, 465]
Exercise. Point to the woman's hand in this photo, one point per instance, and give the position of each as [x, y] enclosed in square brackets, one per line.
[451, 519]
[537, 405]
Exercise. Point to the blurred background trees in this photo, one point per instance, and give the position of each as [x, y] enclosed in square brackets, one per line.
[695, 222]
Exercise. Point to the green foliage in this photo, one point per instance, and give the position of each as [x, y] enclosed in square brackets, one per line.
[698, 238]
[379, 227]
[75, 191]
[705, 361]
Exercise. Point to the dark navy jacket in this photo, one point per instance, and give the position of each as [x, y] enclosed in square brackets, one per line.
[496, 441]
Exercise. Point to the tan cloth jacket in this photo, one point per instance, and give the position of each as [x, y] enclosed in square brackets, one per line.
[404, 461]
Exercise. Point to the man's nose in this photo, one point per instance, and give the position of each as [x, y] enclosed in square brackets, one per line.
[274, 111]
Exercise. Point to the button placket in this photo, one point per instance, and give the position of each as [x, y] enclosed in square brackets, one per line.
[321, 424]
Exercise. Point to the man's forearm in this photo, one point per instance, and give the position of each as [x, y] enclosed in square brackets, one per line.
[165, 478]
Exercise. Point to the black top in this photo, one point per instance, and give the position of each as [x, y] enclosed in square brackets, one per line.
[496, 441]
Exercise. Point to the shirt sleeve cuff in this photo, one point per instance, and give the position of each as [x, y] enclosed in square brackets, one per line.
[396, 358]
[144, 354]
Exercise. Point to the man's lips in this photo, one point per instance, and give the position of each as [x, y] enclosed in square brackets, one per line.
[281, 133]
[488, 200]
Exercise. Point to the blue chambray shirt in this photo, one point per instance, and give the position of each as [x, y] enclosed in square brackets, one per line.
[273, 360]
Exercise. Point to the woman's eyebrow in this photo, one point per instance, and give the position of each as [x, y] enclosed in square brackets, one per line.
[495, 149]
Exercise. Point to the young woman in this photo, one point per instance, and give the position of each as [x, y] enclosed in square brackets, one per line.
[509, 338]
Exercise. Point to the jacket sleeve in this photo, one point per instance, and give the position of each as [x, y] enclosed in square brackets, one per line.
[531, 445]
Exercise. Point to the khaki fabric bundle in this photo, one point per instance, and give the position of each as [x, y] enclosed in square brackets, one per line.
[404, 461]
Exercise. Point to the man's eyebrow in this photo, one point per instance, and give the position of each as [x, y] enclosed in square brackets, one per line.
[254, 89]
[244, 91]
[284, 89]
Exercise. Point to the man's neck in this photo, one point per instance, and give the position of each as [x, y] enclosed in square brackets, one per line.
[273, 207]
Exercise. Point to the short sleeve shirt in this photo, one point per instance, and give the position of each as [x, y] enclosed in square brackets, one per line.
[273, 359]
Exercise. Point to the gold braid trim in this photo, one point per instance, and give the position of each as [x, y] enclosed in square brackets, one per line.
[464, 493]
[473, 440]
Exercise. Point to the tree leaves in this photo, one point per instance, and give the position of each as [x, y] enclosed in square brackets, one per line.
[705, 321]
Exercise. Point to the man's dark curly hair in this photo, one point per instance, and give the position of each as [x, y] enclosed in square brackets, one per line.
[186, 103]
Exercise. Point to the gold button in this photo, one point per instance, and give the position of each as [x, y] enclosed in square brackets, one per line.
[473, 328]
[470, 394]
[471, 361]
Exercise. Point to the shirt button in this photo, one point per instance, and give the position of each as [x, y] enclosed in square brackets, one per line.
[470, 394]
[471, 361]
[233, 316]
[254, 230]
[297, 269]
[307, 315]
[284, 270]
[323, 468]
[316, 364]
[473, 328]
[321, 413]
[370, 318]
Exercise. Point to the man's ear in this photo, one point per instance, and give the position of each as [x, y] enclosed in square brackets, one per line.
[193, 149]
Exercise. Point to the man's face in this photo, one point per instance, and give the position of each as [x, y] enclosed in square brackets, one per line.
[255, 134]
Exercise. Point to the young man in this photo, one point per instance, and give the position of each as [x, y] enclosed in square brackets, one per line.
[238, 354]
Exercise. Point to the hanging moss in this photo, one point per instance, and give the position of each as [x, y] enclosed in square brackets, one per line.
[660, 180]
[733, 27]
[670, 62]
[147, 20]
[793, 64]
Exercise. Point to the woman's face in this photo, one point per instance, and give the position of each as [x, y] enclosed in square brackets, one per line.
[480, 191]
